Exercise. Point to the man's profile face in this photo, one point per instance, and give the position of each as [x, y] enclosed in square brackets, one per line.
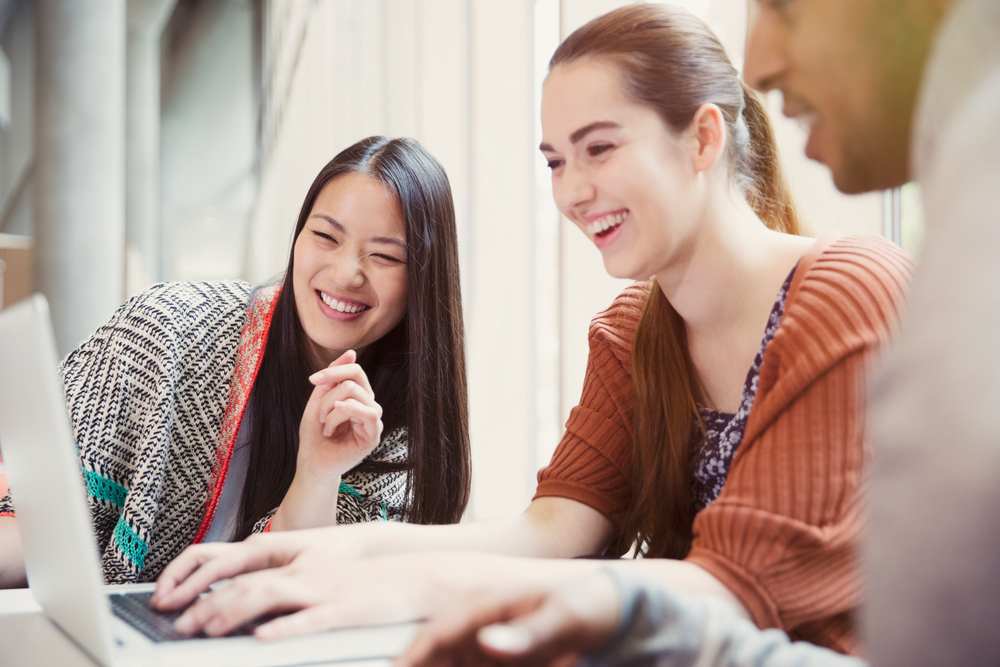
[850, 70]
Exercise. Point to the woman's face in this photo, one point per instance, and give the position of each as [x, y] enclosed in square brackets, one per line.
[350, 267]
[618, 172]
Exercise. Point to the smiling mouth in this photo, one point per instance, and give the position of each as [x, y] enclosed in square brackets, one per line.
[606, 224]
[342, 306]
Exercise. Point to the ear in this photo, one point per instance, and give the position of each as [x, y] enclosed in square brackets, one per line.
[708, 134]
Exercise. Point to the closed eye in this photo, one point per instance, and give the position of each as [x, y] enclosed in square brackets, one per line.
[325, 236]
[555, 163]
[388, 258]
[596, 149]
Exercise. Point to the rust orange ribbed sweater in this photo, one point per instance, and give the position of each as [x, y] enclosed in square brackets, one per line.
[782, 535]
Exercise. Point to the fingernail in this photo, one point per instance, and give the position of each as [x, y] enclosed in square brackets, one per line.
[316, 377]
[505, 638]
[184, 624]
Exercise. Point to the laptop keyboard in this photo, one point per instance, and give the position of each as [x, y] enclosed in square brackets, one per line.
[134, 609]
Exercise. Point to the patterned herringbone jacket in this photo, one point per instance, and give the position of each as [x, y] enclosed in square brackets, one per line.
[156, 396]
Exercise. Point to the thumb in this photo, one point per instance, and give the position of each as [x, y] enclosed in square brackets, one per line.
[348, 357]
[545, 630]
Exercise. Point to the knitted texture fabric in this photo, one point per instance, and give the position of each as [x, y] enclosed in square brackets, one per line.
[155, 397]
[783, 533]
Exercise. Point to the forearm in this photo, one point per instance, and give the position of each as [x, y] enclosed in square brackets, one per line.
[661, 626]
[682, 576]
[12, 574]
[548, 528]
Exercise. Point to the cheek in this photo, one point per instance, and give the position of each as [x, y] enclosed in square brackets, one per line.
[299, 281]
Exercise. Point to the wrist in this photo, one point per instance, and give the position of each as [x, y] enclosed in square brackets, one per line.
[308, 503]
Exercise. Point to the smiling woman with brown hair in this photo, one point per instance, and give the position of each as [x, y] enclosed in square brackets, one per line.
[719, 429]
[209, 411]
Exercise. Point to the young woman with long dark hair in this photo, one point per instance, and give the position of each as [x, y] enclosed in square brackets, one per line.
[719, 430]
[211, 411]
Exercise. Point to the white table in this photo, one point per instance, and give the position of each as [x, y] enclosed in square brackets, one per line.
[29, 639]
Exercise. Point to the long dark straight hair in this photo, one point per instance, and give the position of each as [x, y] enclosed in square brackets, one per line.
[671, 62]
[417, 370]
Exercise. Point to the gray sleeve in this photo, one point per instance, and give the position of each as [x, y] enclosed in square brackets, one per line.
[666, 628]
[931, 554]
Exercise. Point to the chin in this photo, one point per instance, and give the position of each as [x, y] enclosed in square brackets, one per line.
[617, 270]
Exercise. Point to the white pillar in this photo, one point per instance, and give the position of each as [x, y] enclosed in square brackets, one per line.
[146, 19]
[80, 160]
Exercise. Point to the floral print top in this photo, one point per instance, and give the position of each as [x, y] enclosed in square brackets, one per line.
[723, 430]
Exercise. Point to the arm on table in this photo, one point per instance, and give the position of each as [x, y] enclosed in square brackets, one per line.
[395, 588]
[612, 617]
[548, 528]
[313, 569]
[12, 574]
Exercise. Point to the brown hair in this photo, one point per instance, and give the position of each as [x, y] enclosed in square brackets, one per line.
[670, 61]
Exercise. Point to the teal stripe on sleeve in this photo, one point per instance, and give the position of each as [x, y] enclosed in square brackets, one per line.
[102, 488]
[130, 543]
[349, 490]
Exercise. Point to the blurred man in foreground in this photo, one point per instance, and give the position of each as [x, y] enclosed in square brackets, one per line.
[892, 91]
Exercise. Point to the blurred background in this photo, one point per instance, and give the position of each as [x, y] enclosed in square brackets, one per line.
[153, 140]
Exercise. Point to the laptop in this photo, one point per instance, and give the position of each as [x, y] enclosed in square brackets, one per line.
[60, 550]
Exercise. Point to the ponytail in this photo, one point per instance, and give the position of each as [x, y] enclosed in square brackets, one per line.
[757, 161]
[671, 62]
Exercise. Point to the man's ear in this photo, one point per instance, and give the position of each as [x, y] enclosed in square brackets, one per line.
[708, 134]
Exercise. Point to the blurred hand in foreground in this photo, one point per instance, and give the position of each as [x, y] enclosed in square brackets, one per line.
[545, 626]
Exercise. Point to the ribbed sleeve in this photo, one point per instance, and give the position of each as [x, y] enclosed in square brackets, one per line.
[592, 462]
[783, 533]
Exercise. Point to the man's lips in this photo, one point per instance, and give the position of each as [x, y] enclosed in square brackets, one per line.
[801, 112]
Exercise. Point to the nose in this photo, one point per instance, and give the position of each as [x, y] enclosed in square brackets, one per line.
[347, 271]
[764, 60]
[573, 188]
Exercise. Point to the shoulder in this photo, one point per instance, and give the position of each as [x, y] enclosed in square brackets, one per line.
[845, 299]
[850, 283]
[615, 326]
[166, 313]
[191, 299]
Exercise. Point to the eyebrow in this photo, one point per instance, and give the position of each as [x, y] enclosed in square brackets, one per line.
[375, 239]
[582, 132]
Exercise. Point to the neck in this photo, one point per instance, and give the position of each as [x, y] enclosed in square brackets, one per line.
[730, 268]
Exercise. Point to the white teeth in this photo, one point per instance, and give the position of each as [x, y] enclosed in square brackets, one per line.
[341, 306]
[606, 222]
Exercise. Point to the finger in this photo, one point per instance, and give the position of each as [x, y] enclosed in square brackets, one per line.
[245, 598]
[224, 561]
[336, 374]
[181, 568]
[312, 413]
[342, 392]
[448, 635]
[306, 621]
[365, 420]
[333, 422]
[569, 621]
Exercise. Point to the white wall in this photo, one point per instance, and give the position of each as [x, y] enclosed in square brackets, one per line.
[463, 77]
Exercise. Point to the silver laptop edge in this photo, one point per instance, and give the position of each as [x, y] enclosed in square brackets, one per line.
[60, 554]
